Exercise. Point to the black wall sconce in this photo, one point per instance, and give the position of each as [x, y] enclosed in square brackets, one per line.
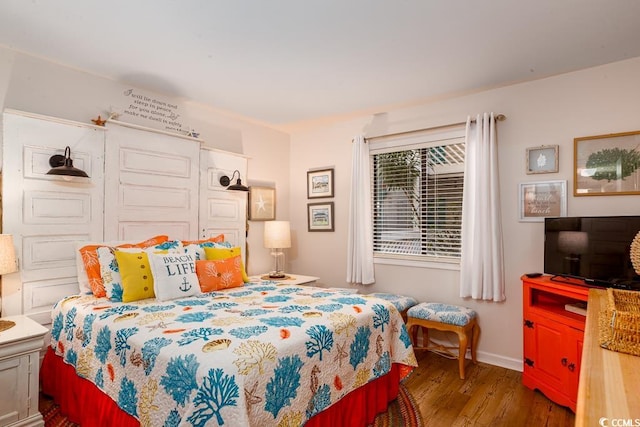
[63, 165]
[225, 181]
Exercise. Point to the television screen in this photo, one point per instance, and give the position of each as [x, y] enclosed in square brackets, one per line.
[595, 249]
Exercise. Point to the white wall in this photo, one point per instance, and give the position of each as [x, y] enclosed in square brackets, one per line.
[546, 112]
[552, 111]
[33, 85]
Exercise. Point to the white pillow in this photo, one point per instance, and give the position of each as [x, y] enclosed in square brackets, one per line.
[174, 275]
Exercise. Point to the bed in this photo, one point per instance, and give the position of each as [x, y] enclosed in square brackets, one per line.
[264, 354]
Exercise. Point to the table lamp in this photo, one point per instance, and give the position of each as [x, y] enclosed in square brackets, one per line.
[277, 236]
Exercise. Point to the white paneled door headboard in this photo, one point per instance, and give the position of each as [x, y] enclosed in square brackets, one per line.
[222, 211]
[142, 183]
[152, 184]
[46, 214]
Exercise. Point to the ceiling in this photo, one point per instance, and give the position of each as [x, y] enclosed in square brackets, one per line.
[286, 62]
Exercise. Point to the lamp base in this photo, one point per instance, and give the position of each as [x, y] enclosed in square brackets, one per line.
[269, 277]
[6, 324]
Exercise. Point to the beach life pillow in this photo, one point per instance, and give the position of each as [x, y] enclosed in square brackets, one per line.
[174, 275]
[217, 274]
[136, 275]
[224, 253]
[89, 276]
[109, 269]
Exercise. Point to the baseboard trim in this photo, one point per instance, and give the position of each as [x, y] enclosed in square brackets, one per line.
[498, 360]
[485, 357]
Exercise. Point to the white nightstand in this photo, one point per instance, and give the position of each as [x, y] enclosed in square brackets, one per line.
[292, 279]
[19, 372]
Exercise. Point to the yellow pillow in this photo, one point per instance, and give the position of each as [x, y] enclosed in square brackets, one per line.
[224, 253]
[137, 279]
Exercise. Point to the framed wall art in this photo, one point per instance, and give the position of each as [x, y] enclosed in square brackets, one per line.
[541, 199]
[606, 165]
[320, 216]
[262, 203]
[320, 183]
[542, 159]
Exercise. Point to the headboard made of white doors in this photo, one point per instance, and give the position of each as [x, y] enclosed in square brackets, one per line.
[142, 183]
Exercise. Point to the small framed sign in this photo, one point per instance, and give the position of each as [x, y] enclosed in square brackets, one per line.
[542, 159]
[541, 199]
[320, 183]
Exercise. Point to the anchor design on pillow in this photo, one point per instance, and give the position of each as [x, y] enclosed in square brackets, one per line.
[185, 285]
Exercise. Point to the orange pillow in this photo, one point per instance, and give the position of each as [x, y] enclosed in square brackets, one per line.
[217, 274]
[224, 253]
[89, 255]
[215, 239]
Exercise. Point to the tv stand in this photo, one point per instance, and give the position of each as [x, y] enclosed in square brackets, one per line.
[630, 285]
[553, 337]
[566, 279]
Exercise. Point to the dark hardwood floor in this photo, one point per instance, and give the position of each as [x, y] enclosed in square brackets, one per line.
[489, 396]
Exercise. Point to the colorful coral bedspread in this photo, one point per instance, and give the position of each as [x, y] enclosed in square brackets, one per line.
[259, 355]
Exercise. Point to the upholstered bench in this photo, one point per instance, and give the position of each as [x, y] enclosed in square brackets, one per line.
[401, 302]
[445, 317]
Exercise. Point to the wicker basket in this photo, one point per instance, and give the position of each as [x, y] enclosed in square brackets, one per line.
[620, 322]
[635, 253]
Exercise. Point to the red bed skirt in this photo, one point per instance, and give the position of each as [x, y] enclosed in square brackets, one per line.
[83, 403]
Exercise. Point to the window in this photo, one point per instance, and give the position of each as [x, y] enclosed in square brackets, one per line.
[417, 197]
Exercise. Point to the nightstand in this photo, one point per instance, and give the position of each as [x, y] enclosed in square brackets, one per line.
[20, 348]
[291, 279]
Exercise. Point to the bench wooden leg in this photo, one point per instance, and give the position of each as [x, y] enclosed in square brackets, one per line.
[467, 338]
[462, 349]
[474, 341]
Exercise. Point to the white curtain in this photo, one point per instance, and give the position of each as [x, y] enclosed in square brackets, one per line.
[360, 232]
[481, 266]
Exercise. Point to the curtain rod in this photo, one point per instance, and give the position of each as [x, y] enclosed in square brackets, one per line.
[498, 117]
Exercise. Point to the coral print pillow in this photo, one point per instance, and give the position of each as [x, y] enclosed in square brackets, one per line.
[174, 275]
[90, 276]
[215, 275]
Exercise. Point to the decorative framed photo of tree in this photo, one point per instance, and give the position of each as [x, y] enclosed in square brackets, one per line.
[606, 165]
[320, 183]
[542, 159]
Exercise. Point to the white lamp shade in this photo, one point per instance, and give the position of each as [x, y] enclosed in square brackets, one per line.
[277, 234]
[8, 262]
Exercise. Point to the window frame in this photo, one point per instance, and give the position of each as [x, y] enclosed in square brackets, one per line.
[408, 141]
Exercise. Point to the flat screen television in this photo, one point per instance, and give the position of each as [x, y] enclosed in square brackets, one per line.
[596, 249]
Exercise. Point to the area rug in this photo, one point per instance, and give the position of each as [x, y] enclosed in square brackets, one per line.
[51, 414]
[402, 412]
